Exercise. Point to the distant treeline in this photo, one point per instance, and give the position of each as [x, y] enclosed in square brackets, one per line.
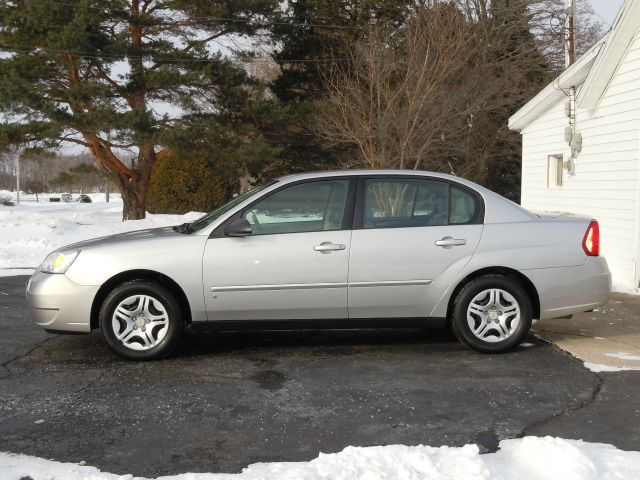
[52, 173]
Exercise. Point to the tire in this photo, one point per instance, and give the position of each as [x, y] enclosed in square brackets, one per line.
[492, 314]
[141, 320]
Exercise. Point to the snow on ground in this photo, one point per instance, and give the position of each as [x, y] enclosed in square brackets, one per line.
[623, 288]
[624, 356]
[30, 230]
[529, 458]
[600, 367]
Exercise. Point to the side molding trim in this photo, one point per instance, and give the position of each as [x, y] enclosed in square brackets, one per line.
[393, 283]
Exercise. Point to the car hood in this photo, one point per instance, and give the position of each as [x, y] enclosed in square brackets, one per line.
[127, 237]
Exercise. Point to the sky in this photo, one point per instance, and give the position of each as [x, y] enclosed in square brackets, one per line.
[606, 10]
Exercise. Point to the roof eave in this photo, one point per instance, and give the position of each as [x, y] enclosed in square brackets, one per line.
[622, 33]
[571, 77]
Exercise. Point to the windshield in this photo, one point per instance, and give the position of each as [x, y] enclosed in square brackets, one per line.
[210, 217]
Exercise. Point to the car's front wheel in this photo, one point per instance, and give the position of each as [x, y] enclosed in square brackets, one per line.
[141, 320]
[492, 314]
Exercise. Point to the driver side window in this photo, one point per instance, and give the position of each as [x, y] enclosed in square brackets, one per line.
[306, 207]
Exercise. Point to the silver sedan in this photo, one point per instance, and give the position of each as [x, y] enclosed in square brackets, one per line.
[341, 249]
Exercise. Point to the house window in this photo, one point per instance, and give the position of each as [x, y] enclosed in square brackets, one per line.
[555, 168]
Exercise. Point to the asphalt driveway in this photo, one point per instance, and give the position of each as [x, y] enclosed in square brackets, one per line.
[226, 400]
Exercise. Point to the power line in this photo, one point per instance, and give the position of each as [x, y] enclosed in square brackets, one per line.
[601, 18]
[160, 59]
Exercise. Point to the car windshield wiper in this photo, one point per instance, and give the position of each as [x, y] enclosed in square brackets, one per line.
[182, 228]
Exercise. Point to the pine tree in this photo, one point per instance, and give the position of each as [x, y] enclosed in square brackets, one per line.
[99, 74]
[310, 36]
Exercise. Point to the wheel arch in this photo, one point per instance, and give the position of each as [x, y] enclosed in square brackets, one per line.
[139, 274]
[527, 284]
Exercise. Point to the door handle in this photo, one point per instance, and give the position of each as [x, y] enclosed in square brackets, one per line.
[448, 242]
[329, 247]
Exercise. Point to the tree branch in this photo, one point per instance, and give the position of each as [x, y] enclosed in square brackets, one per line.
[66, 138]
[102, 74]
[115, 145]
[203, 41]
[145, 5]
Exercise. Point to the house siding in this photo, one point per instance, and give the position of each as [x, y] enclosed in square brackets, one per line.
[605, 184]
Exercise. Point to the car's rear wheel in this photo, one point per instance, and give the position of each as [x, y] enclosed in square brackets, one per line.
[492, 314]
[141, 320]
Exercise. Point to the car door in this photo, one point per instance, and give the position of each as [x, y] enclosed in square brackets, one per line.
[411, 237]
[293, 265]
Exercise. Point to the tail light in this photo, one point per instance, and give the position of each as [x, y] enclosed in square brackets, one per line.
[591, 241]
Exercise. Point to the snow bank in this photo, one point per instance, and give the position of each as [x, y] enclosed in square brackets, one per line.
[529, 458]
[29, 231]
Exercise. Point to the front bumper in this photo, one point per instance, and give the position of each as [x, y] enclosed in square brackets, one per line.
[60, 305]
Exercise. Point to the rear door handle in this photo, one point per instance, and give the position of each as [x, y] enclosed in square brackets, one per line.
[448, 242]
[329, 247]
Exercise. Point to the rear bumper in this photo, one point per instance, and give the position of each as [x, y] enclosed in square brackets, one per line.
[60, 305]
[568, 290]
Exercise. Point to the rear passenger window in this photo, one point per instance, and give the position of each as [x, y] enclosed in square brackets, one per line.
[465, 207]
[390, 203]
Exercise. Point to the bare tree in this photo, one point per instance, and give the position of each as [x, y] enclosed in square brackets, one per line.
[546, 23]
[438, 95]
[387, 99]
[8, 160]
[35, 187]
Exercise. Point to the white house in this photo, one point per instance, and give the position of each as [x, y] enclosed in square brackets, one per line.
[581, 144]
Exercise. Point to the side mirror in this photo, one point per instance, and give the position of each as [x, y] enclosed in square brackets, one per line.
[238, 228]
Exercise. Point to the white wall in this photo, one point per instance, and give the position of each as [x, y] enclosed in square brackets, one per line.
[605, 184]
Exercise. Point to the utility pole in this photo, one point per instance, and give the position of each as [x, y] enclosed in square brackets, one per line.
[570, 32]
[574, 139]
[18, 177]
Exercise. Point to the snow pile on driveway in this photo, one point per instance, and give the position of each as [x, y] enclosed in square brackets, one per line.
[529, 458]
[30, 230]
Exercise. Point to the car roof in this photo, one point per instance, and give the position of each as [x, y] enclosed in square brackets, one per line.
[381, 172]
[368, 172]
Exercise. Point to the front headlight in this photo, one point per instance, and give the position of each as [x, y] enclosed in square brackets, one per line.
[59, 262]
